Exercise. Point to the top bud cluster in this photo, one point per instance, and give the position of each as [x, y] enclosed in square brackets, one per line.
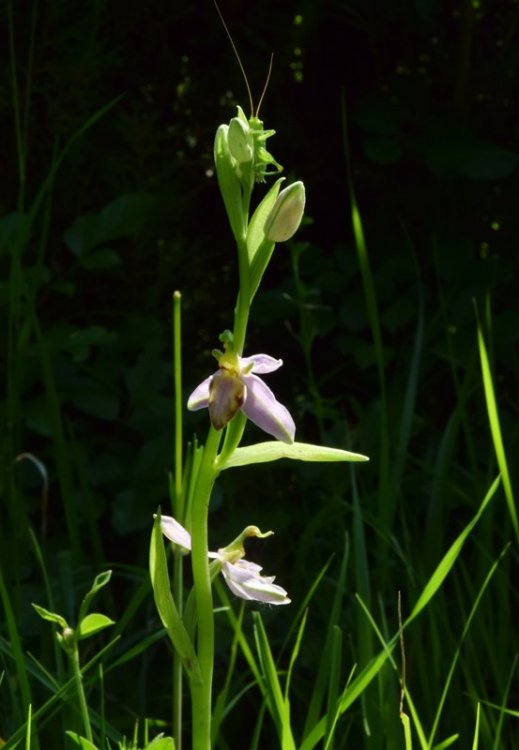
[242, 159]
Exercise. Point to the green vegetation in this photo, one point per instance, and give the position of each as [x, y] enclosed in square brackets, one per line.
[394, 312]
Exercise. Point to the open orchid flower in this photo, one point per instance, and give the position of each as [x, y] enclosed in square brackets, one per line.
[236, 386]
[243, 577]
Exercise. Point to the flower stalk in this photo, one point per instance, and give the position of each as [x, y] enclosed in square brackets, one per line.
[201, 695]
[78, 678]
[233, 394]
[241, 311]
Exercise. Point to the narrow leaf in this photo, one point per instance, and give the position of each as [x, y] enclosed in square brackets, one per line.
[165, 603]
[274, 450]
[275, 698]
[450, 557]
[255, 233]
[50, 616]
[278, 705]
[404, 718]
[99, 582]
[447, 742]
[495, 429]
[475, 743]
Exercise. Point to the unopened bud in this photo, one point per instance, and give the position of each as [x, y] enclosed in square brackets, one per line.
[240, 140]
[284, 219]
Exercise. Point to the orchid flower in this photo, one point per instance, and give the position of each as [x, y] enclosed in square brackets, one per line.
[242, 577]
[236, 386]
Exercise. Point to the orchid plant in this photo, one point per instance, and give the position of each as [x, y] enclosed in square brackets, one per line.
[233, 394]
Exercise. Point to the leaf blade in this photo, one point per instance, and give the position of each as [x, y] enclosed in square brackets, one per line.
[274, 450]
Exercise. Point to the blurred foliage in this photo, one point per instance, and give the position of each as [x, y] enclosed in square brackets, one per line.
[133, 213]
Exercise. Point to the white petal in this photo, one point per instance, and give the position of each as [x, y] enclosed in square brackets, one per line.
[261, 363]
[263, 591]
[246, 582]
[175, 532]
[242, 570]
[262, 408]
[199, 399]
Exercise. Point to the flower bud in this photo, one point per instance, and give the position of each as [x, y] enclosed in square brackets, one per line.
[240, 140]
[287, 212]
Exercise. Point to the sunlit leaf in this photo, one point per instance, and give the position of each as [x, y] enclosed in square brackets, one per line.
[92, 624]
[274, 450]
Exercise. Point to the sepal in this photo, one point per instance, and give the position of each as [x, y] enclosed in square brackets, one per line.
[229, 182]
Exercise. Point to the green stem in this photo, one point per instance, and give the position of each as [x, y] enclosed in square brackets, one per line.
[177, 380]
[74, 656]
[178, 511]
[201, 694]
[241, 311]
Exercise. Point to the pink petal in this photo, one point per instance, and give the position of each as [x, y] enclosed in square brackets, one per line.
[262, 408]
[261, 363]
[175, 532]
[199, 399]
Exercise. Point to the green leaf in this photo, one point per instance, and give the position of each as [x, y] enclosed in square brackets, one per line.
[447, 743]
[255, 231]
[229, 183]
[295, 654]
[122, 217]
[99, 581]
[81, 742]
[495, 429]
[404, 718]
[450, 557]
[475, 742]
[274, 450]
[161, 743]
[93, 623]
[259, 265]
[50, 616]
[166, 606]
[279, 706]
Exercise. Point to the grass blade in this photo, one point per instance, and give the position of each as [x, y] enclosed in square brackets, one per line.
[276, 702]
[495, 429]
[466, 627]
[475, 742]
[450, 557]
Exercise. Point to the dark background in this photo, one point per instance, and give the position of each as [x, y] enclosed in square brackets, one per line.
[427, 92]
